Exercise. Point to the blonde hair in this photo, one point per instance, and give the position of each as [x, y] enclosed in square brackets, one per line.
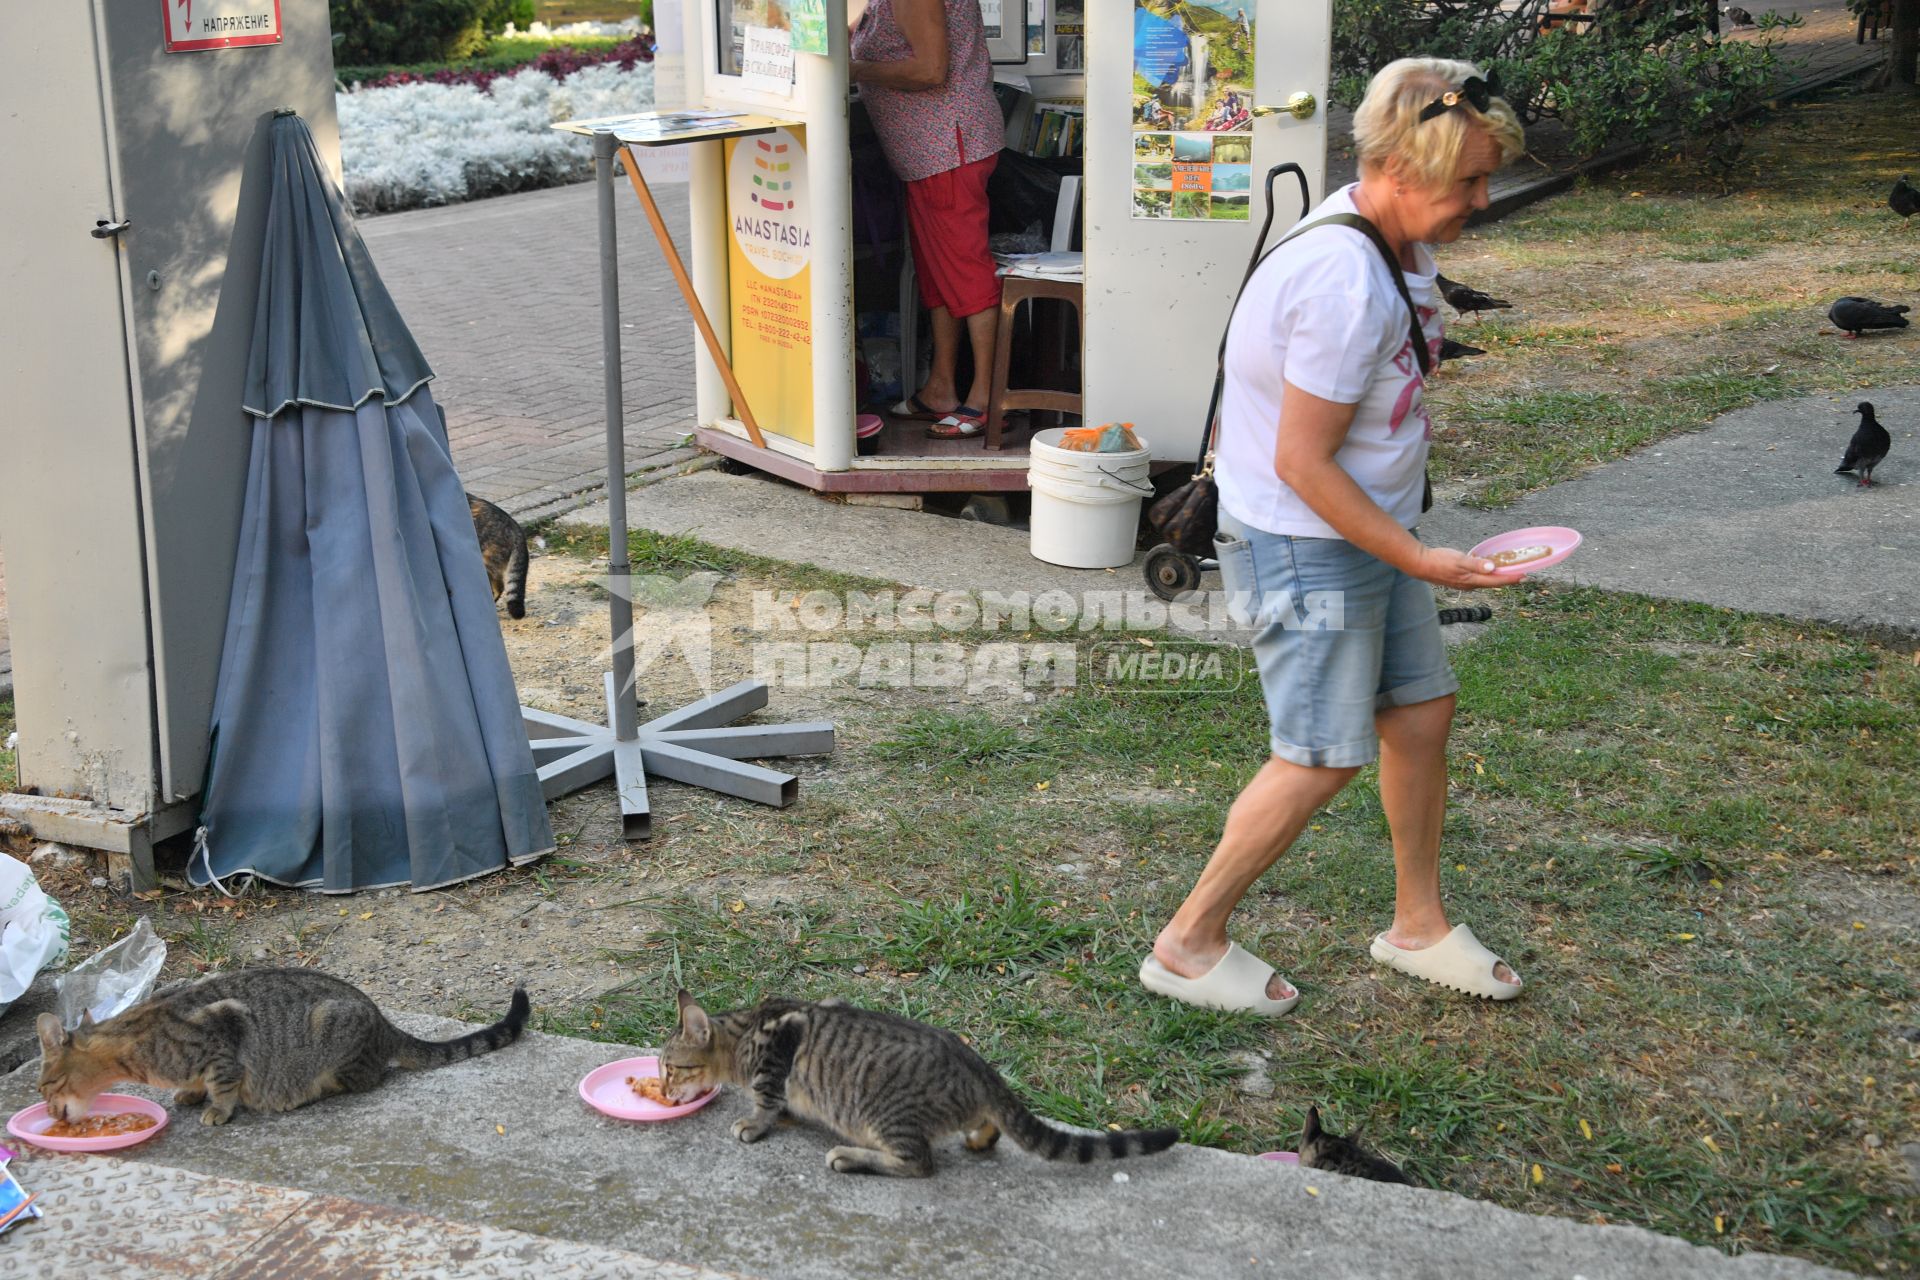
[1390, 136]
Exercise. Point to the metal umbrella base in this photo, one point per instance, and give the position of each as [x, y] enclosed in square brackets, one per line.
[697, 745]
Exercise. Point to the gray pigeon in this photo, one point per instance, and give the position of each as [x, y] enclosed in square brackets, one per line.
[1867, 449]
[1740, 17]
[1904, 199]
[1855, 314]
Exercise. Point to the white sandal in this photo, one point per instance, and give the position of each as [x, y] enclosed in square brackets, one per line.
[1237, 983]
[1457, 961]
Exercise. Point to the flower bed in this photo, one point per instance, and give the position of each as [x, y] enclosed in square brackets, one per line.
[426, 143]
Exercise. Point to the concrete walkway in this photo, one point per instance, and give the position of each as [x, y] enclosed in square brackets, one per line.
[499, 1146]
[1746, 514]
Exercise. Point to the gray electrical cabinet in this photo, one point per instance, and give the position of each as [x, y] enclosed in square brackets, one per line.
[131, 219]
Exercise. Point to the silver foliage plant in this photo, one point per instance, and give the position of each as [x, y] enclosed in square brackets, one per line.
[429, 144]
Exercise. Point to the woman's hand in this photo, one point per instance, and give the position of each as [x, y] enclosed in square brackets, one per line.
[1445, 567]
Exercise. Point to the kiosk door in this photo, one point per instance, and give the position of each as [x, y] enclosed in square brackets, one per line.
[1187, 109]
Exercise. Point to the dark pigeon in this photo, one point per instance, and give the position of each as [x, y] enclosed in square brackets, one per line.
[1464, 299]
[1857, 314]
[1904, 199]
[1451, 350]
[1739, 17]
[1867, 449]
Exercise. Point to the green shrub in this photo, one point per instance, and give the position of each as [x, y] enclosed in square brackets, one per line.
[496, 14]
[1644, 71]
[406, 31]
[502, 56]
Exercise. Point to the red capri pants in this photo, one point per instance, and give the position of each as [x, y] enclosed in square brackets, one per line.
[948, 215]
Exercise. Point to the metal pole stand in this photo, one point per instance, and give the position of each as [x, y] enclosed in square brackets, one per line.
[690, 745]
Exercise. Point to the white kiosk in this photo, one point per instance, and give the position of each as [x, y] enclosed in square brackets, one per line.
[1175, 107]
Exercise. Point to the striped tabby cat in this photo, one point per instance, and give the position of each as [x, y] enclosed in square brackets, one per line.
[1320, 1149]
[503, 548]
[274, 1039]
[887, 1086]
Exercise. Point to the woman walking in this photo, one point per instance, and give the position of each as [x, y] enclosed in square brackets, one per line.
[1321, 465]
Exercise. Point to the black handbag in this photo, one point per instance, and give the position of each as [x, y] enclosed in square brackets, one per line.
[1187, 518]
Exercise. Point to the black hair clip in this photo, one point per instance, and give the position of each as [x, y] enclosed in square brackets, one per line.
[1476, 93]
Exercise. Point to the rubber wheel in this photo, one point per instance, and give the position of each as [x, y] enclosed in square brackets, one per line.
[1171, 573]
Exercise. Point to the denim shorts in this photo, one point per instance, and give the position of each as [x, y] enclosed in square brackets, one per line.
[1338, 636]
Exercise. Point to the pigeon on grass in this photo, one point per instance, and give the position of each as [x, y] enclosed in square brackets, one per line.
[1867, 449]
[1463, 299]
[1904, 199]
[1857, 314]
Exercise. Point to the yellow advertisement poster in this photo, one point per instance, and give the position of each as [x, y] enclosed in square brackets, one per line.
[770, 286]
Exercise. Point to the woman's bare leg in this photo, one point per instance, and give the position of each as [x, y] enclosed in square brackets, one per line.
[1413, 791]
[1262, 824]
[938, 391]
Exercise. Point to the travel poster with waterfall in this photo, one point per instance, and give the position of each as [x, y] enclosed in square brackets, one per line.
[1192, 109]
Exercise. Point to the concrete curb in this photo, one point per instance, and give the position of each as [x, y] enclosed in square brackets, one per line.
[504, 1142]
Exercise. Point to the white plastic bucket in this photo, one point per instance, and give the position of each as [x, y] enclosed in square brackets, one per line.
[1086, 506]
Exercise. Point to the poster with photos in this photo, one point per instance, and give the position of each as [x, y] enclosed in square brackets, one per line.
[1192, 110]
[1069, 36]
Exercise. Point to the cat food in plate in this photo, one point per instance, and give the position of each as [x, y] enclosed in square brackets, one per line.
[1522, 551]
[114, 1120]
[607, 1090]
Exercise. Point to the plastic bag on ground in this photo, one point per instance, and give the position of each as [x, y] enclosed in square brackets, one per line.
[113, 980]
[33, 930]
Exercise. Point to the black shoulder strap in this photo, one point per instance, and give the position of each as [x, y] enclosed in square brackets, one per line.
[1366, 228]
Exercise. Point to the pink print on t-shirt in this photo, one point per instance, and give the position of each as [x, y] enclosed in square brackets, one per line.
[1410, 399]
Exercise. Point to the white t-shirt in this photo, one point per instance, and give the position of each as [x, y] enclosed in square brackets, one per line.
[1322, 313]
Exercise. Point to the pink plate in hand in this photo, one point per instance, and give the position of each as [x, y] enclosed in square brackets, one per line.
[605, 1090]
[1561, 539]
[28, 1125]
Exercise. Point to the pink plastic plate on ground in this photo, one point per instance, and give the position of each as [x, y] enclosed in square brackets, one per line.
[605, 1090]
[1560, 538]
[27, 1125]
[1280, 1157]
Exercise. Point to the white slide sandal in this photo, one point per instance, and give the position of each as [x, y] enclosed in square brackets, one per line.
[1237, 983]
[1457, 961]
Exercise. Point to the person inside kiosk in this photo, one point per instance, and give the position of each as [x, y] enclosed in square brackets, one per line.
[926, 80]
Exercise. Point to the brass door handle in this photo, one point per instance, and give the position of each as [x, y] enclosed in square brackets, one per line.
[1300, 106]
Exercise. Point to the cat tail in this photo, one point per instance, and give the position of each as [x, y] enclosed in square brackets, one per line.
[513, 584]
[1051, 1143]
[415, 1054]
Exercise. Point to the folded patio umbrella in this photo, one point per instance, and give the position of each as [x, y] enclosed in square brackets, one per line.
[366, 731]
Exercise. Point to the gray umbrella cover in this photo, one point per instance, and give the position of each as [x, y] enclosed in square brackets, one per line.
[366, 730]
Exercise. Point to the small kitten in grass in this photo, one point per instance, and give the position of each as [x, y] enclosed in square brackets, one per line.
[887, 1086]
[1320, 1149]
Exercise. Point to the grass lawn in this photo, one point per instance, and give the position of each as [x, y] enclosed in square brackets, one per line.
[7, 769]
[1694, 832]
[1646, 304]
